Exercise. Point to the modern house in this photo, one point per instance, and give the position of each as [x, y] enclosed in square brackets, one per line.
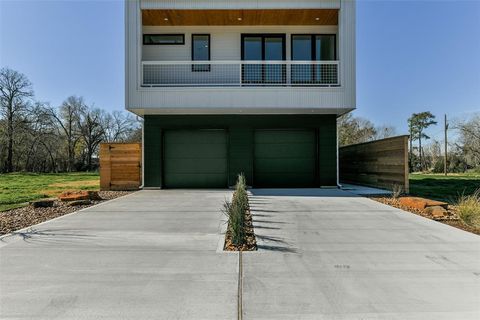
[252, 86]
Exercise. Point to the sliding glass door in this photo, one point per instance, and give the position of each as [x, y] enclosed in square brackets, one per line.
[252, 51]
[261, 48]
[306, 47]
[302, 51]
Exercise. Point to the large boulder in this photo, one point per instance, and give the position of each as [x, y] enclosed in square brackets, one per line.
[421, 203]
[437, 212]
[79, 203]
[42, 203]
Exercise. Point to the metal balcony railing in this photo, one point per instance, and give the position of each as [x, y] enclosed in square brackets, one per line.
[240, 73]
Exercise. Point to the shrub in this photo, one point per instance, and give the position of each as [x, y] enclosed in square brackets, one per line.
[469, 209]
[397, 191]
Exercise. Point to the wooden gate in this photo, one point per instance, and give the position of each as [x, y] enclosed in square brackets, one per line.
[120, 166]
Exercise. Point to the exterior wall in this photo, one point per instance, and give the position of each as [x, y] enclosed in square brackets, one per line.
[241, 141]
[235, 100]
[225, 41]
[240, 4]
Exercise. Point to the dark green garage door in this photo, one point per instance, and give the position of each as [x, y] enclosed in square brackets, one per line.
[195, 159]
[284, 158]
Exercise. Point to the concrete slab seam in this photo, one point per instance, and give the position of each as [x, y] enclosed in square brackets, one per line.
[240, 287]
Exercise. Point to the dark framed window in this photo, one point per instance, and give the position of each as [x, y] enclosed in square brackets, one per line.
[263, 47]
[314, 47]
[200, 52]
[163, 39]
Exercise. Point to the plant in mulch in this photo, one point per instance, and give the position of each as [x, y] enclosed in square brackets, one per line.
[468, 209]
[397, 191]
[465, 214]
[239, 235]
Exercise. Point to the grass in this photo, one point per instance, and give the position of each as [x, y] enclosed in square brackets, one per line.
[236, 210]
[16, 189]
[469, 209]
[439, 187]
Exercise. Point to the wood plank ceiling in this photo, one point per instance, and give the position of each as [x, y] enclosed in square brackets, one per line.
[240, 17]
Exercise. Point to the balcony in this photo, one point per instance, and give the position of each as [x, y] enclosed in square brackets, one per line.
[240, 74]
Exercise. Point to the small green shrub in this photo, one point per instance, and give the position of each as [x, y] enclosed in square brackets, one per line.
[469, 209]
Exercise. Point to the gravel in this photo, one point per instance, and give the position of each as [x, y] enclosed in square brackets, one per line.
[451, 219]
[16, 219]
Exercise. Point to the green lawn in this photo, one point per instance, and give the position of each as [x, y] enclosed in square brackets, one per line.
[439, 187]
[18, 188]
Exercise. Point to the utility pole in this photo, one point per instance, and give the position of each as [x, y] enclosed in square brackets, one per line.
[445, 155]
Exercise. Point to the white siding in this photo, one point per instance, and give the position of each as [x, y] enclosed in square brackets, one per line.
[225, 45]
[240, 4]
[225, 41]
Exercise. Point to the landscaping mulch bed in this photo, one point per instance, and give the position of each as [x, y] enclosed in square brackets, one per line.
[250, 240]
[16, 219]
[451, 219]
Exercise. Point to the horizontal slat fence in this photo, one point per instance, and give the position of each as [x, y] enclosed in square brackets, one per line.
[120, 166]
[381, 163]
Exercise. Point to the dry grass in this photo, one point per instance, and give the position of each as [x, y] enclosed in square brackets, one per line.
[55, 189]
[16, 189]
[468, 209]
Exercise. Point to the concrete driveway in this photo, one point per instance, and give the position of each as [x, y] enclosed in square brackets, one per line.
[150, 255]
[327, 254]
[323, 254]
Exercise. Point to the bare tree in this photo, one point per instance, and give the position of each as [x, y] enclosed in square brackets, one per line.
[469, 139]
[119, 126]
[67, 119]
[15, 93]
[353, 130]
[383, 132]
[92, 131]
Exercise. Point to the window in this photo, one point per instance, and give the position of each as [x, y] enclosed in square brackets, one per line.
[163, 39]
[263, 47]
[320, 47]
[314, 47]
[200, 52]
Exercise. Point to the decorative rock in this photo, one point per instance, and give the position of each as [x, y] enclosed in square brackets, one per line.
[42, 203]
[437, 212]
[79, 195]
[79, 203]
[421, 203]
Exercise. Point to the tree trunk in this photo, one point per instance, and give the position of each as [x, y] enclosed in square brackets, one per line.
[9, 162]
[420, 151]
[89, 160]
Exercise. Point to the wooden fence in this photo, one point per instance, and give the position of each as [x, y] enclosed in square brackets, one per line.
[381, 163]
[120, 166]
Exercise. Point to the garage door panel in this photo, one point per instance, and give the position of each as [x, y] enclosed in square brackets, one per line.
[196, 166]
[284, 136]
[284, 151]
[284, 180]
[284, 158]
[192, 137]
[195, 159]
[279, 165]
[197, 180]
[197, 151]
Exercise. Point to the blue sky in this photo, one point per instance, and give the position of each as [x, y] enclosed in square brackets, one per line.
[412, 56]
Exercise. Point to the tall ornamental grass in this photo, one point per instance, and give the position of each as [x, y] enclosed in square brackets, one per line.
[469, 209]
[236, 211]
